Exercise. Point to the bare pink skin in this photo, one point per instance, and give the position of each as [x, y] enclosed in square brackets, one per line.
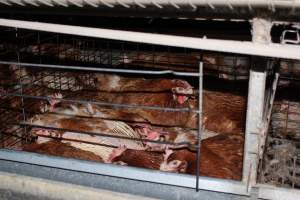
[54, 101]
[44, 135]
[167, 154]
[42, 132]
[181, 91]
[155, 135]
[145, 131]
[152, 135]
[116, 153]
[148, 132]
[181, 99]
[174, 165]
[47, 133]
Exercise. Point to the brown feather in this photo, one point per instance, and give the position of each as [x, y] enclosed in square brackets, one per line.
[57, 148]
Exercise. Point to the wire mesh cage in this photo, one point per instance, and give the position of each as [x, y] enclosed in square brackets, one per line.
[290, 70]
[40, 47]
[87, 99]
[280, 163]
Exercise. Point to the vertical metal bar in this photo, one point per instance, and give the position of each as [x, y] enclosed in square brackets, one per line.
[58, 50]
[294, 171]
[138, 52]
[235, 68]
[1, 128]
[122, 54]
[200, 102]
[101, 46]
[110, 61]
[21, 89]
[153, 55]
[72, 52]
[254, 119]
[60, 81]
[168, 58]
[95, 51]
[185, 63]
[39, 47]
[287, 118]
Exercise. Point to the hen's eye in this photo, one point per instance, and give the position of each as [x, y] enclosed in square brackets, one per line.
[174, 163]
[180, 89]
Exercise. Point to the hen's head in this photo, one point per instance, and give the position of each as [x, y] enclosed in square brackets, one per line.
[174, 166]
[181, 91]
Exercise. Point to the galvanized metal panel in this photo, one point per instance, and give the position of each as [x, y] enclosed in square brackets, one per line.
[182, 180]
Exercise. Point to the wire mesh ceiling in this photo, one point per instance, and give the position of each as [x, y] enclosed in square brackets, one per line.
[159, 4]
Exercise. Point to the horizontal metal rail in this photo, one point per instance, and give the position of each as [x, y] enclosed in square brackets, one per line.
[107, 104]
[158, 3]
[240, 47]
[133, 173]
[98, 69]
[103, 135]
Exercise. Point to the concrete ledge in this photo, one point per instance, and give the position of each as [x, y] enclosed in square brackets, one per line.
[58, 190]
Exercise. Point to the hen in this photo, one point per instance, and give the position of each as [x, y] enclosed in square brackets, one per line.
[221, 157]
[231, 106]
[96, 144]
[67, 127]
[117, 83]
[58, 148]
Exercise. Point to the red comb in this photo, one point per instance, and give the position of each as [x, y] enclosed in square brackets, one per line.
[182, 83]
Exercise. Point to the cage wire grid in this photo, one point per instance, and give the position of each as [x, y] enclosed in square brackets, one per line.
[40, 47]
[53, 50]
[21, 93]
[34, 49]
[46, 52]
[280, 163]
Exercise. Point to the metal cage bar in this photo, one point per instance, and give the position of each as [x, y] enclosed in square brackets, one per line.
[166, 3]
[248, 48]
[21, 90]
[199, 182]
